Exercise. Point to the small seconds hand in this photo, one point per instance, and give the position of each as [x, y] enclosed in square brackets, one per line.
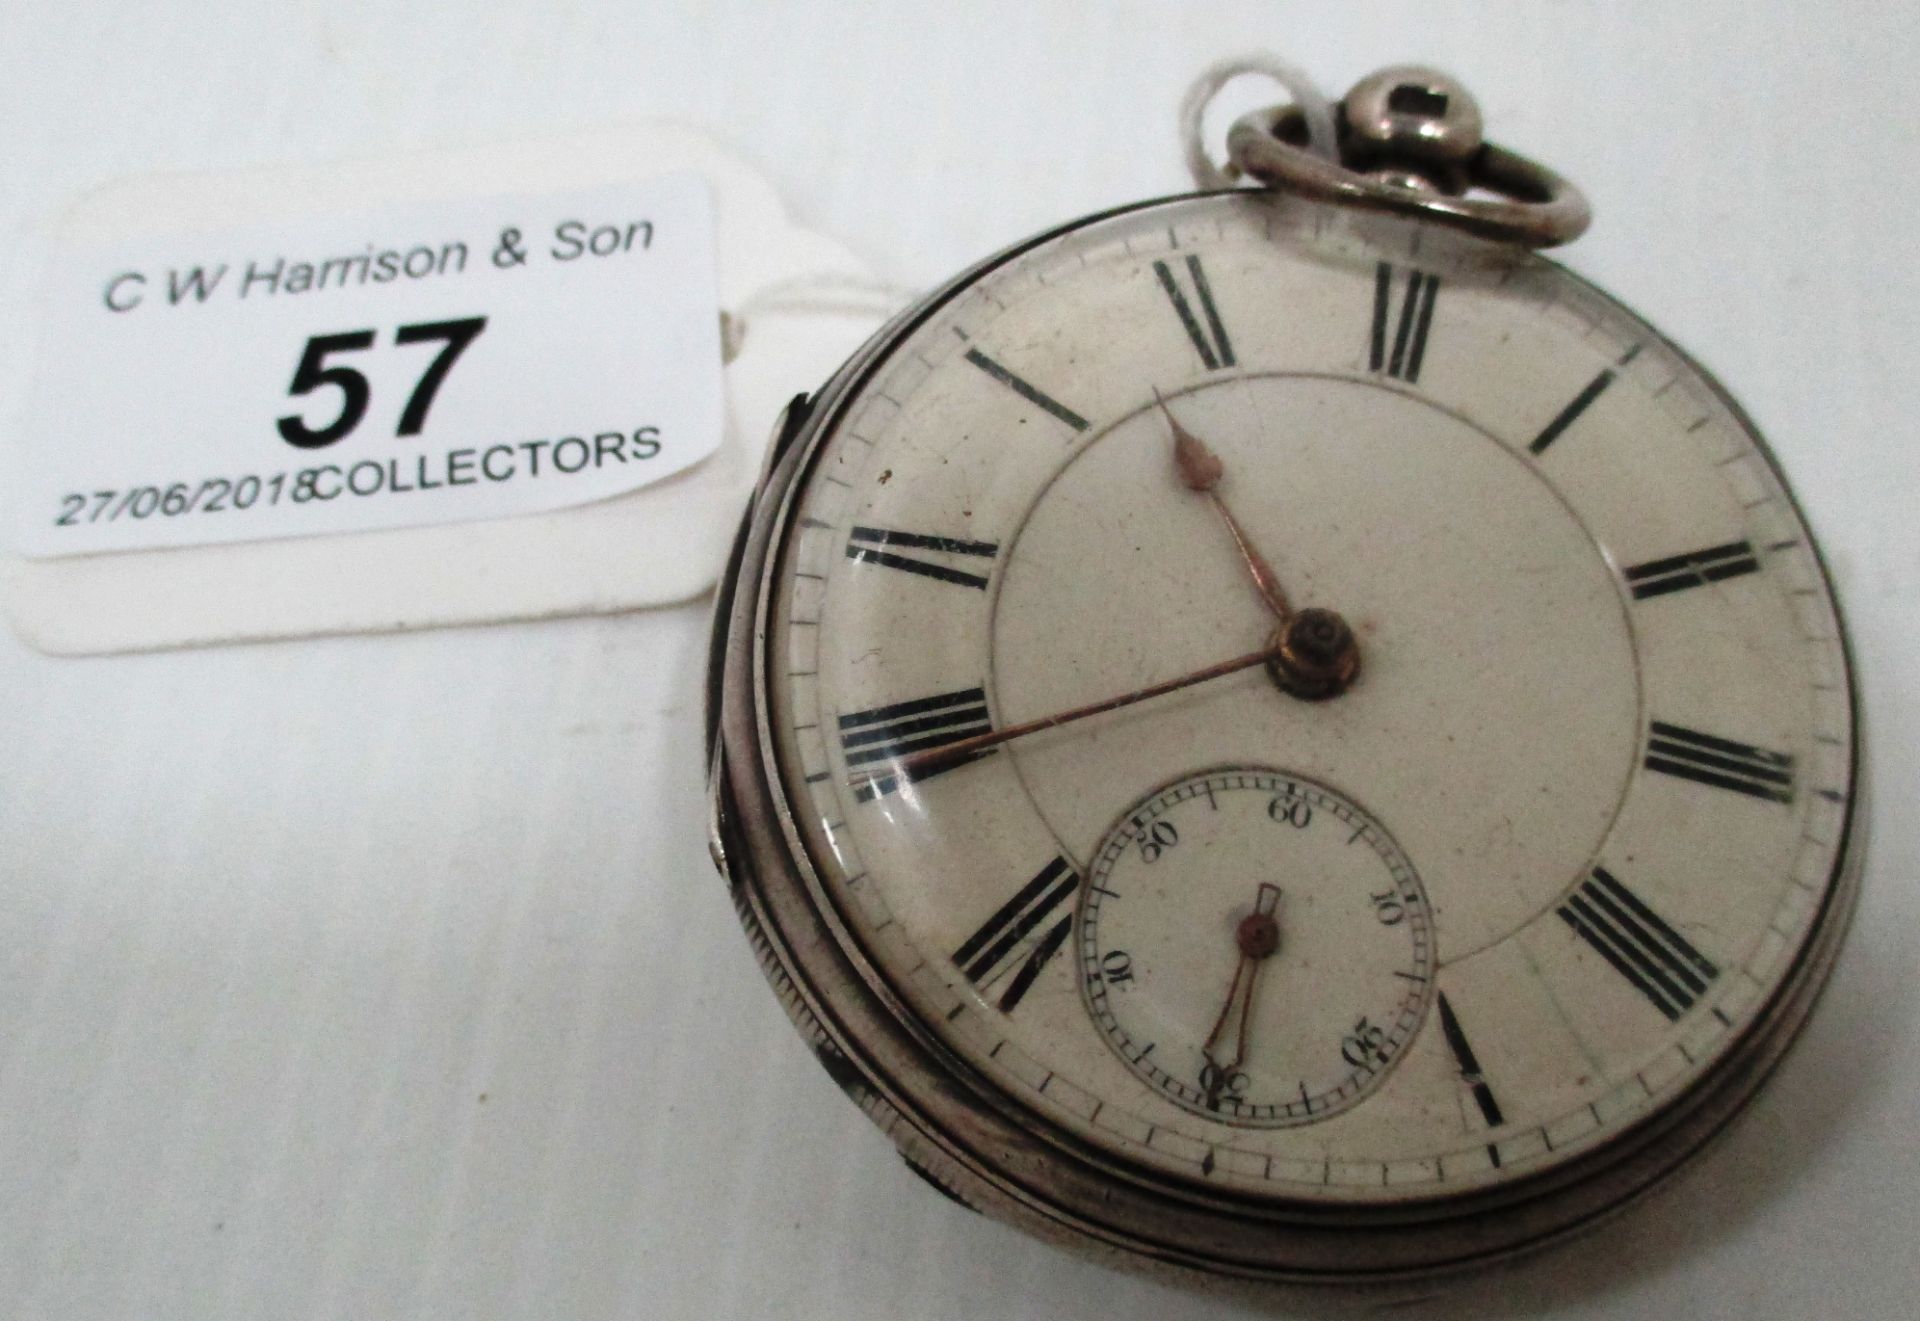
[1257, 937]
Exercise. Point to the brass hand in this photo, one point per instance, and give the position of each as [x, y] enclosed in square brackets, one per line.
[947, 755]
[1318, 656]
[1200, 470]
[1257, 937]
[1311, 653]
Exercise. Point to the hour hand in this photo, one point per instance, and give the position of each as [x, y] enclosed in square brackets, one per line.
[1200, 469]
[1318, 656]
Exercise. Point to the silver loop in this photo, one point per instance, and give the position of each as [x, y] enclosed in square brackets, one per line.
[1530, 204]
[1315, 109]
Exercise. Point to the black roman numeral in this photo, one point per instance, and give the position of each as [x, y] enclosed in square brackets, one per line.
[1581, 402]
[1026, 390]
[1400, 355]
[1641, 947]
[1470, 1069]
[1720, 762]
[1022, 935]
[1696, 568]
[887, 732]
[1210, 340]
[883, 546]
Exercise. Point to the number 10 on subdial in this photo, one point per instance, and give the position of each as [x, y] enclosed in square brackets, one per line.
[1255, 946]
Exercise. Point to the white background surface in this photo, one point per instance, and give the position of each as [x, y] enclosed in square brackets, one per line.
[386, 977]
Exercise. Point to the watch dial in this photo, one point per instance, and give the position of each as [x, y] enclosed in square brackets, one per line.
[1528, 875]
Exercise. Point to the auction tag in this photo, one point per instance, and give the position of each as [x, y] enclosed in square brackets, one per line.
[603, 365]
[449, 360]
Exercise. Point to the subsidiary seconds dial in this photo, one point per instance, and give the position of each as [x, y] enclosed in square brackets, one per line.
[1255, 946]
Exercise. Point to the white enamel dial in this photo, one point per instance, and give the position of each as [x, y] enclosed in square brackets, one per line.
[1602, 713]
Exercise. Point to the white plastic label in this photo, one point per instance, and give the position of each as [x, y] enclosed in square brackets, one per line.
[796, 304]
[460, 359]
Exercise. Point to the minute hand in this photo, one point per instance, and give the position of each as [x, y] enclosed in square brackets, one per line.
[952, 754]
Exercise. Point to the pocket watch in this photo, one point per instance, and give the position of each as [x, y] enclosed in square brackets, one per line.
[1276, 736]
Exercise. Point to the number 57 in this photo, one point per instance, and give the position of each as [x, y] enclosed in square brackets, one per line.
[313, 372]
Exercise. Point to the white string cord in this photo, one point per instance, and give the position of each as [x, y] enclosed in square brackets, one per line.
[1314, 108]
[812, 295]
